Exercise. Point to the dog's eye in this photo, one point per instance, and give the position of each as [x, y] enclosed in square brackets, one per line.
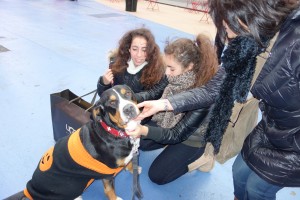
[128, 94]
[113, 103]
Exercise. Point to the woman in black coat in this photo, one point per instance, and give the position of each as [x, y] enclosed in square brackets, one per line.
[270, 158]
[137, 62]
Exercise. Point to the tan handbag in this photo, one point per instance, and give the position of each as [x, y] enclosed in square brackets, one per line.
[242, 121]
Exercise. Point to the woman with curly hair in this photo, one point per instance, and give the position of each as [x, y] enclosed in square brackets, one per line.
[137, 63]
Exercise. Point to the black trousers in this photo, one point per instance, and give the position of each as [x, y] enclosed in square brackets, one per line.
[172, 162]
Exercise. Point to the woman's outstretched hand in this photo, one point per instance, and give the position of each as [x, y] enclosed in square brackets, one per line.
[152, 107]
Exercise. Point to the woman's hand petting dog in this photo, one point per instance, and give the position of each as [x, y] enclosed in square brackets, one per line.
[152, 107]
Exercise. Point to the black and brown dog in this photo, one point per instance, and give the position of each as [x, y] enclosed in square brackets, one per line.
[98, 150]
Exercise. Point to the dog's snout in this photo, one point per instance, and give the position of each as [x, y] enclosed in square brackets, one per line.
[130, 111]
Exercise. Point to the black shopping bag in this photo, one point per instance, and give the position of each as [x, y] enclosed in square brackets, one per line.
[69, 112]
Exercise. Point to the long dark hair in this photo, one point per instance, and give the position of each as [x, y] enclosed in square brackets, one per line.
[262, 18]
[154, 70]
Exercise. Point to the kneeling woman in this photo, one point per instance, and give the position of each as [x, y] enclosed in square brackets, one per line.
[189, 64]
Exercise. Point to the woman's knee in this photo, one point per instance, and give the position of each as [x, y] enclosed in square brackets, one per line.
[162, 174]
[156, 176]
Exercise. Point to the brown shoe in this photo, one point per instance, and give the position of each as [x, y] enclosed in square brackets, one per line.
[206, 162]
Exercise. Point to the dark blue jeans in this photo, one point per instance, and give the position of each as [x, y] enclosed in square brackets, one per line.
[248, 185]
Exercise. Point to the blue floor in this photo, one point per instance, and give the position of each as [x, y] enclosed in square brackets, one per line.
[50, 45]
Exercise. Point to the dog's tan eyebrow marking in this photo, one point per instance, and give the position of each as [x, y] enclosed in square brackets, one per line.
[123, 91]
[112, 97]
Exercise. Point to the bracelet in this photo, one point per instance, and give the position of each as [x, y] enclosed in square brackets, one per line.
[166, 106]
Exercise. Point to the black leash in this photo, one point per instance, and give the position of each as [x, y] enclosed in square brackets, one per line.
[137, 192]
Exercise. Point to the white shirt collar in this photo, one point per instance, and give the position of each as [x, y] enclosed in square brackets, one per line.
[131, 69]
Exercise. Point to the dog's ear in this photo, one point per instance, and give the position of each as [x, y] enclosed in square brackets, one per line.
[98, 109]
[95, 112]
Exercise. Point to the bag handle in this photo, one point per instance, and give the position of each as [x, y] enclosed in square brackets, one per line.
[80, 97]
[262, 58]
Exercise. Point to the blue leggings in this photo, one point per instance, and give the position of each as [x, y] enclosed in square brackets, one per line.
[172, 162]
[248, 185]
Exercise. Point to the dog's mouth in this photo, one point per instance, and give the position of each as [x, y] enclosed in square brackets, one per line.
[129, 119]
[125, 113]
[125, 124]
[131, 125]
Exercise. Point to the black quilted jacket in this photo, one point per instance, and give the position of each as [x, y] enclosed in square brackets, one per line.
[190, 128]
[272, 150]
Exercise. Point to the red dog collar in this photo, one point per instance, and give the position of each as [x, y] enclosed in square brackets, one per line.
[115, 132]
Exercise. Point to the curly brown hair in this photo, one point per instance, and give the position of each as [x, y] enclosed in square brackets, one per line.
[200, 52]
[154, 70]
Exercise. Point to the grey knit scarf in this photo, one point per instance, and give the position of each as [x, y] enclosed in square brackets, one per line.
[176, 85]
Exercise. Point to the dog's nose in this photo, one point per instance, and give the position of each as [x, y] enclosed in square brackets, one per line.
[129, 111]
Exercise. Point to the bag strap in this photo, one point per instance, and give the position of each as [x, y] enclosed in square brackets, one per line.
[94, 97]
[262, 58]
[80, 97]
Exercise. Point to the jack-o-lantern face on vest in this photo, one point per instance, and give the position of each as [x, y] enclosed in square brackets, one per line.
[47, 160]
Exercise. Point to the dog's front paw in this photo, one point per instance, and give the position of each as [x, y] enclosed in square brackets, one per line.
[119, 198]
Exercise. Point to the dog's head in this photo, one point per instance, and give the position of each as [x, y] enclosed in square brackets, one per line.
[117, 105]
